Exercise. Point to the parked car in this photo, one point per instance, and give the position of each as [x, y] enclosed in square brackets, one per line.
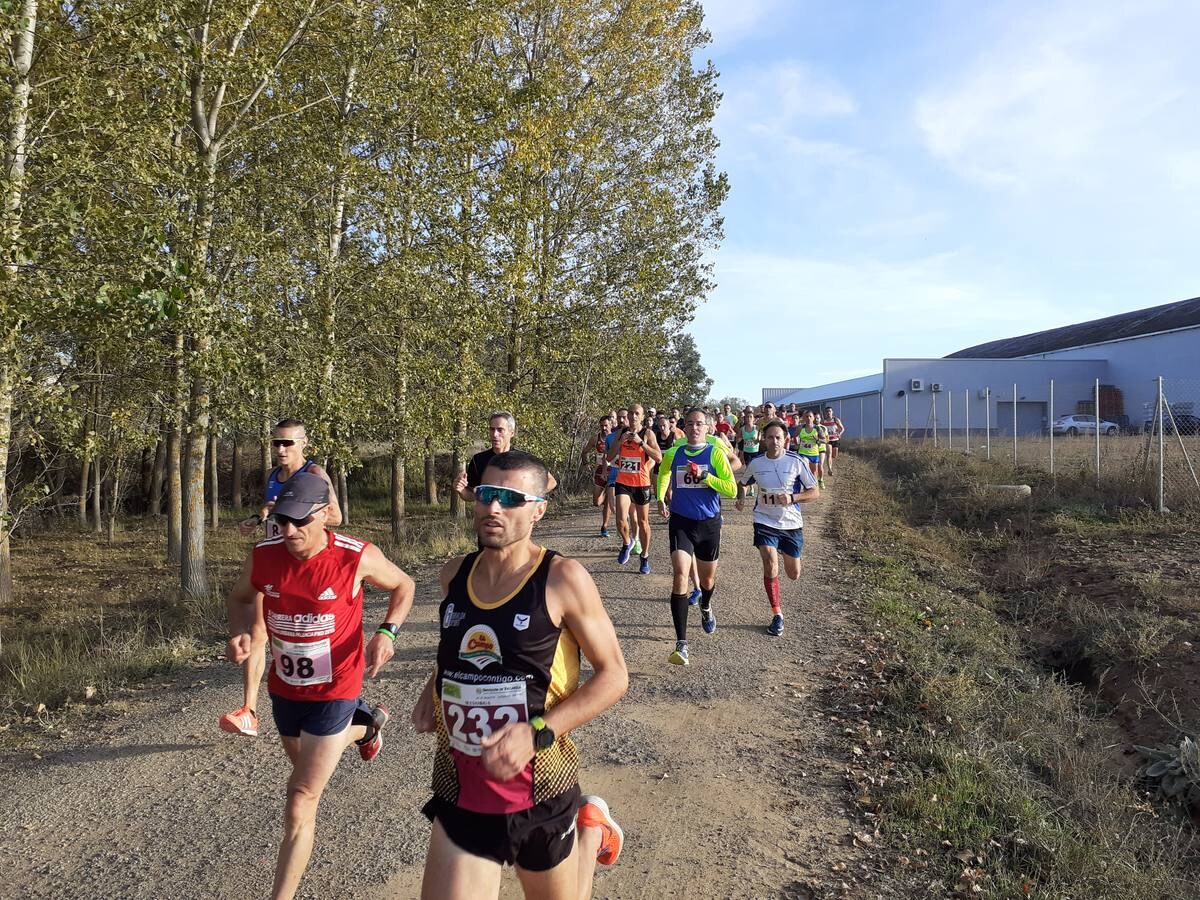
[1185, 422]
[1082, 425]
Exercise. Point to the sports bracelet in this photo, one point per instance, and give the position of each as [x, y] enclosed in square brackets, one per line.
[389, 630]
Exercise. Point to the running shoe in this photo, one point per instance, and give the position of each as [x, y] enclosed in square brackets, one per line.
[241, 721]
[694, 597]
[637, 546]
[708, 620]
[594, 813]
[775, 629]
[679, 656]
[821, 483]
[644, 568]
[623, 556]
[603, 532]
[369, 748]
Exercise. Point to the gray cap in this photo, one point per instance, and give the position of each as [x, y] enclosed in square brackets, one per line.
[302, 495]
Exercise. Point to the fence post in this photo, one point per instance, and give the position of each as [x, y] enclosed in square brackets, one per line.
[1051, 427]
[950, 420]
[967, 407]
[1097, 404]
[906, 418]
[881, 432]
[935, 437]
[862, 423]
[1014, 423]
[987, 410]
[1162, 485]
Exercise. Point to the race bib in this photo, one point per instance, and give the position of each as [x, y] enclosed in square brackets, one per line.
[684, 479]
[473, 711]
[630, 465]
[301, 665]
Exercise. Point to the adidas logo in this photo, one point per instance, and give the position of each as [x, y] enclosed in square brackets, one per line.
[327, 594]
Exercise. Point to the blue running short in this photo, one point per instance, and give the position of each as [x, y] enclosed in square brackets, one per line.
[320, 718]
[789, 542]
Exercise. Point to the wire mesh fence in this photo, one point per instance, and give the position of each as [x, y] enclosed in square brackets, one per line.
[1142, 443]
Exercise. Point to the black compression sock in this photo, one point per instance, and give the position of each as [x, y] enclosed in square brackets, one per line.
[706, 597]
[679, 615]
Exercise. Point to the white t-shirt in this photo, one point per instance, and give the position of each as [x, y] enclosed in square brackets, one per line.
[789, 474]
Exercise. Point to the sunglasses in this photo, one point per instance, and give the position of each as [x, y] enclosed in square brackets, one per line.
[509, 498]
[281, 520]
[283, 442]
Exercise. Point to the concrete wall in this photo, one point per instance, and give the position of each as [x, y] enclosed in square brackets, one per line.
[963, 395]
[1135, 364]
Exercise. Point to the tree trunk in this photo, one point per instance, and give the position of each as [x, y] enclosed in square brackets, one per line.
[265, 461]
[156, 481]
[235, 477]
[456, 466]
[147, 474]
[174, 495]
[97, 495]
[114, 501]
[85, 481]
[193, 574]
[397, 492]
[214, 486]
[430, 473]
[6, 398]
[343, 492]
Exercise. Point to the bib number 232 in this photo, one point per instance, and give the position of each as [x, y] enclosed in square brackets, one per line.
[473, 711]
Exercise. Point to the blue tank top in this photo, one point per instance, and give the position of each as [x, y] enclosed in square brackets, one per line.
[690, 496]
[274, 485]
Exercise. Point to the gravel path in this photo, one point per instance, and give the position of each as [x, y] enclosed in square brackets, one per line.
[727, 775]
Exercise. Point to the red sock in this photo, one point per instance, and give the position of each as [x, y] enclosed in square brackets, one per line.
[772, 586]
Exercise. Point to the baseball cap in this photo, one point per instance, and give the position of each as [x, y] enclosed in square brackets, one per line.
[302, 495]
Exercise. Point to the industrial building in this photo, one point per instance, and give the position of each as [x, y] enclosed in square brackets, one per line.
[1117, 359]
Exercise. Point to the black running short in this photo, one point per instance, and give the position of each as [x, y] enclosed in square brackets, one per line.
[639, 495]
[536, 839]
[699, 537]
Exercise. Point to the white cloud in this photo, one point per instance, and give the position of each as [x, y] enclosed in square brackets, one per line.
[772, 101]
[1070, 95]
[731, 20]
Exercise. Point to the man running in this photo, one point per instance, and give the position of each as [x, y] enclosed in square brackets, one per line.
[600, 476]
[808, 443]
[834, 428]
[503, 698]
[288, 442]
[786, 481]
[632, 452]
[309, 582]
[698, 474]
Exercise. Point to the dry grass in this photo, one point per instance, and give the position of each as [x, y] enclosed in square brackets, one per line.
[991, 777]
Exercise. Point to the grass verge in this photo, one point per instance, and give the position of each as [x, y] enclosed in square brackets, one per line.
[990, 777]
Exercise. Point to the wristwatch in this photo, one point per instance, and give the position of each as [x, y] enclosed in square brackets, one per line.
[388, 628]
[543, 735]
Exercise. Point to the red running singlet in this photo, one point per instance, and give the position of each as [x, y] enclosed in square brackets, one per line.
[313, 612]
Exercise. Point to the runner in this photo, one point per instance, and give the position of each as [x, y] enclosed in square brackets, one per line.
[834, 427]
[786, 482]
[610, 489]
[632, 451]
[503, 698]
[309, 580]
[699, 475]
[808, 443]
[288, 441]
[600, 476]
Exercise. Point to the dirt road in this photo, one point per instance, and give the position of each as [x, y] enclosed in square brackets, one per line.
[727, 775]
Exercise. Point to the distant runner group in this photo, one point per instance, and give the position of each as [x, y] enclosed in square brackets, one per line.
[516, 619]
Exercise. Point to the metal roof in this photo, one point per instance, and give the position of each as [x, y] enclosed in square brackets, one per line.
[868, 384]
[1169, 316]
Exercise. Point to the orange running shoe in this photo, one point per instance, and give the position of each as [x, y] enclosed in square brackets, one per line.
[594, 813]
[241, 721]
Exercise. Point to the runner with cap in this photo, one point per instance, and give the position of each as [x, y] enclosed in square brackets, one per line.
[786, 481]
[503, 698]
[288, 442]
[308, 582]
[698, 474]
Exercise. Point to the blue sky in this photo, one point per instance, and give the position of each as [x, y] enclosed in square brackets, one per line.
[910, 178]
